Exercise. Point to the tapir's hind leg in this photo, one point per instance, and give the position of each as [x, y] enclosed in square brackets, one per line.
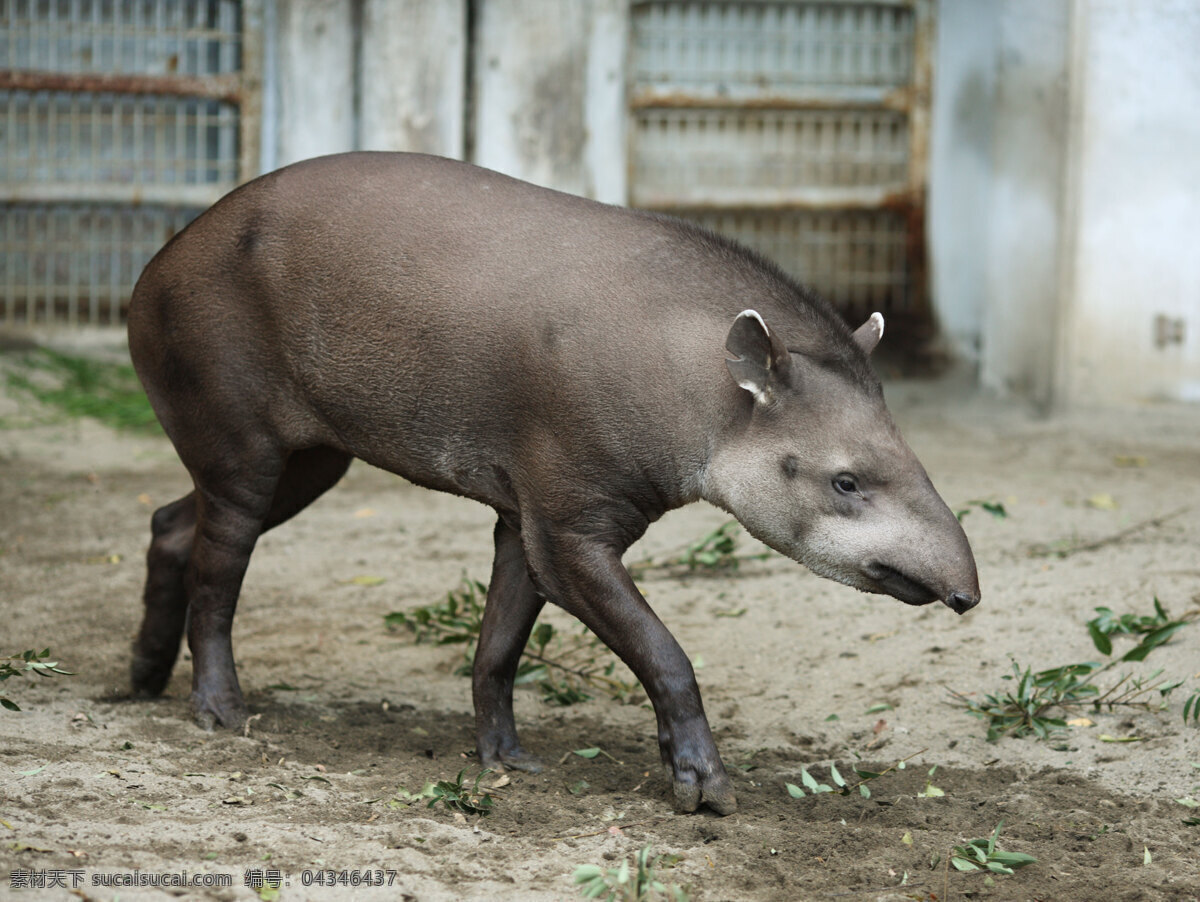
[306, 475]
[512, 607]
[157, 645]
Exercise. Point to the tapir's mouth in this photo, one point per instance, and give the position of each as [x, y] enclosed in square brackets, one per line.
[892, 582]
[911, 591]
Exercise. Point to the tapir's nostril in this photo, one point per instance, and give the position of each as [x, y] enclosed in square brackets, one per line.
[960, 602]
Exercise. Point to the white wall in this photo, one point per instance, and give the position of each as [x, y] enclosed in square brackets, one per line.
[960, 166]
[550, 102]
[314, 63]
[413, 76]
[1137, 246]
[1065, 195]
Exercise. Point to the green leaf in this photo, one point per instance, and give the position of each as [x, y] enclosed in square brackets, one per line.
[794, 791]
[880, 706]
[837, 778]
[1102, 642]
[962, 864]
[1013, 859]
[991, 844]
[587, 753]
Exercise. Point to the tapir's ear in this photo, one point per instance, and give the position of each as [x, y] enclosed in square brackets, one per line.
[763, 362]
[868, 334]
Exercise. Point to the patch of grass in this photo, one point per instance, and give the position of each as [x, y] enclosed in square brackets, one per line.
[637, 883]
[83, 387]
[34, 662]
[715, 553]
[567, 668]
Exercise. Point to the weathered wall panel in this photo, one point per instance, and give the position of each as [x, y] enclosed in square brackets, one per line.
[315, 79]
[1132, 328]
[413, 71]
[548, 93]
[1025, 204]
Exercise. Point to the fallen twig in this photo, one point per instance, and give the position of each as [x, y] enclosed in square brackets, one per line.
[607, 829]
[1115, 538]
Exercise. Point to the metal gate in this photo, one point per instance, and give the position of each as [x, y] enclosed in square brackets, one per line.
[120, 121]
[797, 127]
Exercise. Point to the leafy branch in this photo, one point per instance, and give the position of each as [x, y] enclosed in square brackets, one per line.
[34, 662]
[843, 787]
[979, 854]
[565, 667]
[1030, 707]
[715, 552]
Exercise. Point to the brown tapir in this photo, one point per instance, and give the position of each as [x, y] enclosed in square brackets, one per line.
[580, 368]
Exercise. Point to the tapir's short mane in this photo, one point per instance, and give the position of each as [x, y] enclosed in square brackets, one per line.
[821, 335]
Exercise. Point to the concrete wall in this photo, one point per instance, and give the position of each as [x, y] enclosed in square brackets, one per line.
[413, 76]
[549, 89]
[363, 75]
[311, 70]
[960, 165]
[1065, 195]
[1136, 251]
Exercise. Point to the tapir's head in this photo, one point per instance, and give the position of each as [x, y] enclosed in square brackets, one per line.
[814, 467]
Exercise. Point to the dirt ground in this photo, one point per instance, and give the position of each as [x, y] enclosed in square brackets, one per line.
[350, 716]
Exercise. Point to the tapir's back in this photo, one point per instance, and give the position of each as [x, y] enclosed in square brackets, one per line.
[402, 306]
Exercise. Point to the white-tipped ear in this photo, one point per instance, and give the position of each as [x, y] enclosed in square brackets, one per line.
[868, 334]
[762, 361]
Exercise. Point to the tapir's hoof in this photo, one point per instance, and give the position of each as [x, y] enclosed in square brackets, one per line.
[211, 713]
[518, 759]
[148, 677]
[692, 790]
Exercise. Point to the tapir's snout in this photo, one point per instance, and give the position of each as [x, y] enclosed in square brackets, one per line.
[961, 602]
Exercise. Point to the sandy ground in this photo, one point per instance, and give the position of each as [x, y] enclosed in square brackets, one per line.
[94, 784]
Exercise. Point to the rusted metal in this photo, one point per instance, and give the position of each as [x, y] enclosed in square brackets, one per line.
[783, 200]
[104, 166]
[250, 92]
[891, 186]
[899, 99]
[217, 87]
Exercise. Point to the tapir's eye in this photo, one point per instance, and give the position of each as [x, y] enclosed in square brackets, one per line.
[845, 484]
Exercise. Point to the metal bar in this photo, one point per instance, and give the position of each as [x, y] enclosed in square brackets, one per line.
[825, 98]
[858, 197]
[250, 118]
[110, 193]
[218, 87]
[864, 3]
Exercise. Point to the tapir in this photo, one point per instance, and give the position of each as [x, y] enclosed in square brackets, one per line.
[581, 368]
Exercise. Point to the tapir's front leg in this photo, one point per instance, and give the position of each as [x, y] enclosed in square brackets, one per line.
[586, 577]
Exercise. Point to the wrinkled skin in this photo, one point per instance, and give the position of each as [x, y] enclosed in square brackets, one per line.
[565, 362]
